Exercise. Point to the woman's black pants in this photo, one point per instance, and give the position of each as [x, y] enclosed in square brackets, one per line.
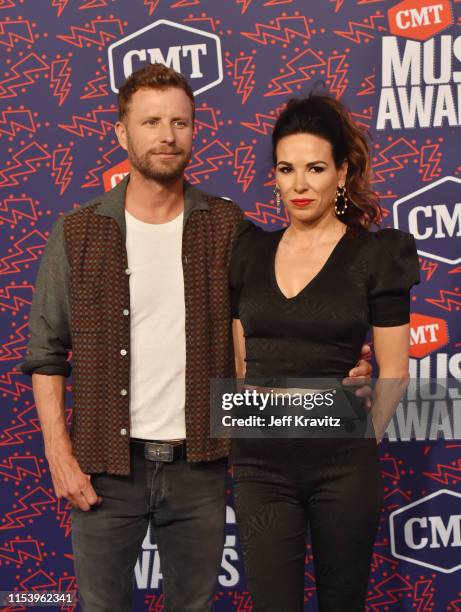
[338, 495]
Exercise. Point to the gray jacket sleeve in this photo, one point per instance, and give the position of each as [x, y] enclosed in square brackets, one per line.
[49, 318]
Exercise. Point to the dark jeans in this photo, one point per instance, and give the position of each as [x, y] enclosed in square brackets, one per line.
[339, 497]
[185, 504]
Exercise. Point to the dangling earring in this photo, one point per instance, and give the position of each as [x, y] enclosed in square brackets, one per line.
[278, 199]
[341, 201]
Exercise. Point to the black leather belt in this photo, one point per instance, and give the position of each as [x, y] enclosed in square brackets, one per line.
[157, 450]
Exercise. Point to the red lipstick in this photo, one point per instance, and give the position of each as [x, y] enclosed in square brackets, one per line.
[301, 202]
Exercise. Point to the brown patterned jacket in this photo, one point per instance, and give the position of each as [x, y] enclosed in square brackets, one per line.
[82, 303]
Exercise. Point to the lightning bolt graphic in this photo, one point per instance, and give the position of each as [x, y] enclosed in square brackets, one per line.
[430, 161]
[298, 70]
[61, 72]
[25, 162]
[391, 157]
[446, 474]
[14, 210]
[204, 160]
[363, 31]
[368, 85]
[448, 301]
[99, 33]
[30, 506]
[62, 165]
[94, 122]
[19, 551]
[429, 267]
[244, 70]
[243, 163]
[266, 213]
[281, 29]
[337, 72]
[23, 72]
[26, 251]
[15, 468]
[13, 121]
[152, 5]
[60, 5]
[99, 88]
[12, 32]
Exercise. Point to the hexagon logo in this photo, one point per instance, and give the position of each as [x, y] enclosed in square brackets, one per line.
[433, 215]
[427, 334]
[194, 53]
[427, 532]
[420, 19]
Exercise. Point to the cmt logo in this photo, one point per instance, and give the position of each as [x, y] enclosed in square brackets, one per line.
[420, 19]
[194, 53]
[427, 334]
[114, 175]
[428, 532]
[433, 215]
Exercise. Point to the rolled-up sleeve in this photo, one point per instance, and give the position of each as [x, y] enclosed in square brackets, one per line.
[49, 318]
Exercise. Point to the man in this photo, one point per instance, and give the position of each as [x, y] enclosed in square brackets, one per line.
[135, 283]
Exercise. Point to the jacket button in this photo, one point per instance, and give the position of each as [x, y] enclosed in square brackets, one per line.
[127, 271]
[123, 392]
[123, 432]
[126, 312]
[123, 352]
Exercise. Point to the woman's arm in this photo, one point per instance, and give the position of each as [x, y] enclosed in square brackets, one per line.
[239, 348]
[392, 345]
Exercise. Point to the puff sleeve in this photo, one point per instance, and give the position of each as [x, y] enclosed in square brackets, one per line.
[394, 269]
[243, 245]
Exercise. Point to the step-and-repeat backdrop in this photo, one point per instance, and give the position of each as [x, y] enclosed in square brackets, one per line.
[398, 67]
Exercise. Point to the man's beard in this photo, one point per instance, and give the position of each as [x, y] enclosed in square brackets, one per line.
[154, 169]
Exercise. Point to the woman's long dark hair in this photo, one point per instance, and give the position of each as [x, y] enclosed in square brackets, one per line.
[325, 117]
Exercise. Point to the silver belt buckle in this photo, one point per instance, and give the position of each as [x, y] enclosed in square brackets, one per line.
[158, 452]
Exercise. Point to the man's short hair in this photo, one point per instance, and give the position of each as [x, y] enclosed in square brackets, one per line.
[152, 76]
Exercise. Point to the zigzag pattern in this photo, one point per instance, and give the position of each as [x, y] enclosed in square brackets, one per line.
[266, 214]
[281, 29]
[99, 33]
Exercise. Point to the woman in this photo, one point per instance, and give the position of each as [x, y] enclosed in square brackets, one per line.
[304, 299]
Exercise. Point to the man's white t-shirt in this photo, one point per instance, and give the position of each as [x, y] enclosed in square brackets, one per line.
[158, 339]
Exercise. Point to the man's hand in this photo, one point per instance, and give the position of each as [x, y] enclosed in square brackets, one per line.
[71, 483]
[359, 376]
[362, 368]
